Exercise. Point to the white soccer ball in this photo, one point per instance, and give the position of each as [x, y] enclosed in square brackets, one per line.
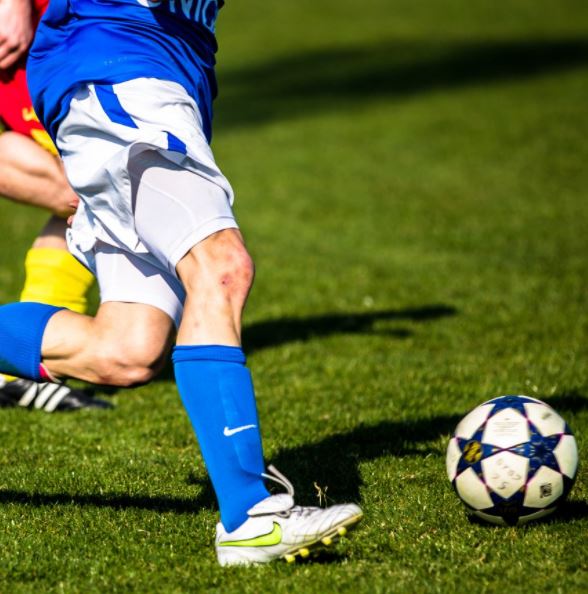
[512, 459]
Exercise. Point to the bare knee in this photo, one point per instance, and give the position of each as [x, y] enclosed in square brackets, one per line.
[219, 269]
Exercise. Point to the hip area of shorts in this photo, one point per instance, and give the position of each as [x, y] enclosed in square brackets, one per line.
[141, 110]
[116, 124]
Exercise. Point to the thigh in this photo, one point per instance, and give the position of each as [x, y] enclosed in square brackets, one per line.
[175, 208]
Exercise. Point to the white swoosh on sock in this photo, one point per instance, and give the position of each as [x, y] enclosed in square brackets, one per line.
[228, 432]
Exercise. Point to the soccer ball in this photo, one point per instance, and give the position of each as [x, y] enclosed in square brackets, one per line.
[512, 459]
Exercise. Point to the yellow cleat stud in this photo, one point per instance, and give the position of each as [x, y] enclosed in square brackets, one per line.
[290, 558]
[342, 531]
[304, 553]
[327, 541]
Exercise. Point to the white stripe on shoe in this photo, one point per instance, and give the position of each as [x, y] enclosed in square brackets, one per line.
[29, 395]
[56, 399]
[45, 392]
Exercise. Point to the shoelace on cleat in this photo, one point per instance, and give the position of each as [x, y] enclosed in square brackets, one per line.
[275, 475]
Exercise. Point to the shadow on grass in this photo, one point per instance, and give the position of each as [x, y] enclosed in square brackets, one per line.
[273, 333]
[568, 511]
[332, 462]
[572, 401]
[178, 505]
[331, 79]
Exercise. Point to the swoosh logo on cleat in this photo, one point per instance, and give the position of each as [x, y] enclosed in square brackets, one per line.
[228, 432]
[265, 540]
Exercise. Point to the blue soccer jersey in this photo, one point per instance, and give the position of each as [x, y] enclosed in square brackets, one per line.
[112, 41]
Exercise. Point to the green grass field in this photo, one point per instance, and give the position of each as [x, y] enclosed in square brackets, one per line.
[411, 178]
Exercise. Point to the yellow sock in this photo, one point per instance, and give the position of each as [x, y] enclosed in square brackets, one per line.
[55, 277]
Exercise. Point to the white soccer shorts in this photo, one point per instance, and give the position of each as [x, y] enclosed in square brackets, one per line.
[149, 187]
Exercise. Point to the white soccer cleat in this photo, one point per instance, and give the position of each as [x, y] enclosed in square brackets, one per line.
[278, 529]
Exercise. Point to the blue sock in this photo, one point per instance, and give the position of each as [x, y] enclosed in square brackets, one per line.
[22, 326]
[217, 392]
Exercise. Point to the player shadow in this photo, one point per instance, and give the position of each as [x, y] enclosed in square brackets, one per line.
[568, 511]
[177, 505]
[338, 78]
[273, 333]
[333, 462]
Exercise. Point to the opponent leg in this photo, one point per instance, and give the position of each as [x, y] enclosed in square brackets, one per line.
[32, 175]
[124, 344]
[53, 275]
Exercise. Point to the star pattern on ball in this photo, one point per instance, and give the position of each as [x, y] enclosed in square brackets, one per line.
[512, 461]
[539, 451]
[473, 451]
[514, 402]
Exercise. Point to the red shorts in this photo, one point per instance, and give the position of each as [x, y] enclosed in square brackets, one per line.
[16, 108]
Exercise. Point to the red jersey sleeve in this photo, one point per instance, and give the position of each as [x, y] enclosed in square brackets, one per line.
[16, 107]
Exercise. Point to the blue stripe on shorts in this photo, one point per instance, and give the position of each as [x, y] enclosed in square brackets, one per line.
[112, 107]
[175, 144]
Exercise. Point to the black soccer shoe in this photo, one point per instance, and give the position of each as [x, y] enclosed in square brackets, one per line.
[49, 397]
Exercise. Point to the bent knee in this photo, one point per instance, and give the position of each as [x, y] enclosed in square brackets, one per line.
[236, 271]
[221, 264]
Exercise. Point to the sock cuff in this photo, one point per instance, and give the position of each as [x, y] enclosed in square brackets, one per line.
[55, 277]
[22, 326]
[209, 352]
[60, 262]
[43, 256]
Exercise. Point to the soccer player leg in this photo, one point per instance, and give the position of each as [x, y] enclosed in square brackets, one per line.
[217, 391]
[127, 342]
[53, 275]
[124, 344]
[186, 220]
[31, 175]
